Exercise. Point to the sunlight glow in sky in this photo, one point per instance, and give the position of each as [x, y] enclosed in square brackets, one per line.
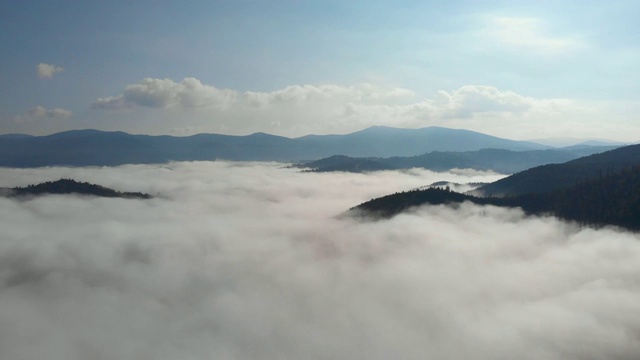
[517, 69]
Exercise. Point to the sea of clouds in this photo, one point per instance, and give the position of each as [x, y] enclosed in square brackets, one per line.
[252, 261]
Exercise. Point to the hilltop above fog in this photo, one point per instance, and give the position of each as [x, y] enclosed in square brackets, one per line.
[68, 186]
[600, 189]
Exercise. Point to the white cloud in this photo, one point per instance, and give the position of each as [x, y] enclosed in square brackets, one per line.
[298, 110]
[297, 94]
[300, 94]
[470, 100]
[480, 108]
[39, 113]
[242, 260]
[112, 103]
[529, 33]
[166, 93]
[46, 71]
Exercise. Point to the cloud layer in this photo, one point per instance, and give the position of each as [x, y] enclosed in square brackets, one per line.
[40, 113]
[165, 93]
[241, 260]
[47, 71]
[190, 106]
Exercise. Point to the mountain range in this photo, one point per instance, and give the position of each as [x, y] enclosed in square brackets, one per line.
[99, 148]
[551, 177]
[499, 160]
[600, 189]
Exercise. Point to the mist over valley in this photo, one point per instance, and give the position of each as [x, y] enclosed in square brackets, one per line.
[250, 260]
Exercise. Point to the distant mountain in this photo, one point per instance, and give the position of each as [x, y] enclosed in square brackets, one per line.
[347, 164]
[499, 160]
[600, 143]
[14, 136]
[381, 141]
[69, 186]
[552, 177]
[613, 199]
[569, 141]
[92, 147]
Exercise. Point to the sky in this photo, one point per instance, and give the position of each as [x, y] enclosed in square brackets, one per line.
[515, 69]
[250, 260]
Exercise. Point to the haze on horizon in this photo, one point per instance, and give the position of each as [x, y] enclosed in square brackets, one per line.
[519, 70]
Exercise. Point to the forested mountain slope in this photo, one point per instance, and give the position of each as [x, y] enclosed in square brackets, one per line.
[612, 199]
[498, 160]
[551, 177]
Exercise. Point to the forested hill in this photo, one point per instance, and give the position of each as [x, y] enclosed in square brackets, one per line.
[498, 160]
[612, 199]
[557, 176]
[70, 186]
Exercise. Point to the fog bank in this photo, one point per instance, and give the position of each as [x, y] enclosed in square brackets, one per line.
[248, 260]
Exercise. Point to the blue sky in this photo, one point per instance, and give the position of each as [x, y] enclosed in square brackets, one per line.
[518, 69]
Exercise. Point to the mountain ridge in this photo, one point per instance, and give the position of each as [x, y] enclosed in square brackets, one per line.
[90, 147]
[550, 177]
[599, 190]
[498, 160]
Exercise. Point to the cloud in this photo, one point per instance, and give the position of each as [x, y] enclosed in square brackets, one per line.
[298, 94]
[39, 113]
[46, 71]
[247, 260]
[165, 93]
[299, 110]
[470, 100]
[528, 33]
[478, 107]
[191, 93]
[304, 109]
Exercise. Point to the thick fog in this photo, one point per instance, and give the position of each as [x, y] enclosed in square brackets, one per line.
[250, 261]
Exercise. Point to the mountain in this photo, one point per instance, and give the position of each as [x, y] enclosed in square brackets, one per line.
[92, 147]
[551, 177]
[499, 160]
[613, 199]
[69, 186]
[569, 141]
[99, 148]
[14, 136]
[347, 164]
[381, 141]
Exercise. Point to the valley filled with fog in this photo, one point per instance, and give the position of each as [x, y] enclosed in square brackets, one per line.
[252, 261]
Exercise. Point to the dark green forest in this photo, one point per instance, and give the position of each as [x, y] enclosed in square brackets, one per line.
[552, 177]
[609, 199]
[70, 186]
